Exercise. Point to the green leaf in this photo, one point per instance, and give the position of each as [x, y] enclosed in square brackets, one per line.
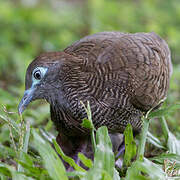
[130, 145]
[33, 171]
[173, 144]
[88, 111]
[26, 138]
[116, 175]
[19, 176]
[26, 158]
[11, 122]
[164, 111]
[172, 157]
[152, 170]
[80, 174]
[155, 141]
[6, 151]
[47, 135]
[52, 162]
[104, 153]
[87, 124]
[104, 160]
[11, 172]
[87, 162]
[67, 159]
[4, 170]
[143, 137]
[22, 154]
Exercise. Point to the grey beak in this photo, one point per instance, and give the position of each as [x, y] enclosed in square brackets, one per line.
[27, 98]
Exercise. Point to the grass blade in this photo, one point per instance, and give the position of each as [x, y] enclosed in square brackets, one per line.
[147, 167]
[165, 111]
[173, 144]
[171, 157]
[104, 160]
[67, 159]
[130, 145]
[87, 162]
[155, 141]
[25, 146]
[143, 136]
[52, 162]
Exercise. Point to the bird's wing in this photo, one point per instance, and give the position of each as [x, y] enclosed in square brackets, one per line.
[129, 66]
[150, 76]
[93, 44]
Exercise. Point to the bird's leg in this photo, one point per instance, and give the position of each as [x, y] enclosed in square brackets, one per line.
[71, 146]
[85, 147]
[119, 159]
[117, 140]
[121, 149]
[67, 147]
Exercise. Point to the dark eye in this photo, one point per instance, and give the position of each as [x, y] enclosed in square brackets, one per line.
[37, 74]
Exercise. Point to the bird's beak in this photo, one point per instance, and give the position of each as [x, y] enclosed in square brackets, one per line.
[27, 98]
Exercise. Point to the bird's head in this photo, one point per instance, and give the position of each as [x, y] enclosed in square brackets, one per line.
[43, 77]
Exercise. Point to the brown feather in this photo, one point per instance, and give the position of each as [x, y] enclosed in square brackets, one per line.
[122, 76]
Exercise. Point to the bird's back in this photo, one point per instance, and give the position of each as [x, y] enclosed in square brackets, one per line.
[144, 57]
[124, 75]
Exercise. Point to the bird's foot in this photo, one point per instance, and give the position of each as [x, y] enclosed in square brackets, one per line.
[119, 158]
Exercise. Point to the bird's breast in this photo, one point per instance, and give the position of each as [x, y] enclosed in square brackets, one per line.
[69, 119]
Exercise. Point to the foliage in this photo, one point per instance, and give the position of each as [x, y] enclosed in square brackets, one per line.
[47, 165]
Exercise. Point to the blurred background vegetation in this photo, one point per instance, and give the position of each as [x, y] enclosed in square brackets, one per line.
[29, 27]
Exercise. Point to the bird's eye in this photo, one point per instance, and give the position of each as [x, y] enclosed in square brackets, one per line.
[37, 74]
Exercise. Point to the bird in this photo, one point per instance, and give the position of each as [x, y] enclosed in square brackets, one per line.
[121, 75]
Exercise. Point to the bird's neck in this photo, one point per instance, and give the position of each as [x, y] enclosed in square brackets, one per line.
[67, 111]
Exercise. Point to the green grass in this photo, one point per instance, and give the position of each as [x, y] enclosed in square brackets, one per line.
[29, 155]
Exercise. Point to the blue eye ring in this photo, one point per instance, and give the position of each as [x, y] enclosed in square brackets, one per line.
[37, 74]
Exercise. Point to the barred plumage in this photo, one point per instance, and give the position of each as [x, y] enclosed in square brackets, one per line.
[122, 76]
